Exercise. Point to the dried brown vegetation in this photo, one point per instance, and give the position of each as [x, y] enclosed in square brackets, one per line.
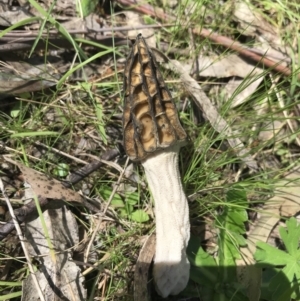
[232, 76]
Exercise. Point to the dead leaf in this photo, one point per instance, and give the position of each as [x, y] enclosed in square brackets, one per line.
[252, 24]
[9, 18]
[213, 116]
[238, 90]
[18, 87]
[46, 186]
[251, 21]
[18, 76]
[226, 66]
[59, 278]
[286, 202]
[271, 129]
[249, 75]
[289, 195]
[134, 20]
[142, 268]
[50, 241]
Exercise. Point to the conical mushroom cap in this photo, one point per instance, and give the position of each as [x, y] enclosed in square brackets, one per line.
[150, 120]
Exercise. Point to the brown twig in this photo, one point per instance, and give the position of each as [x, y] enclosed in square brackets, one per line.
[22, 240]
[146, 9]
[83, 172]
[22, 39]
[221, 40]
[33, 33]
[244, 51]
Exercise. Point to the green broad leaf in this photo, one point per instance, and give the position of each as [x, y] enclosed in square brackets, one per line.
[148, 20]
[231, 224]
[268, 255]
[203, 265]
[205, 271]
[289, 271]
[286, 282]
[196, 255]
[231, 230]
[139, 216]
[15, 111]
[123, 212]
[203, 258]
[283, 285]
[239, 217]
[129, 208]
[87, 7]
[234, 221]
[241, 240]
[288, 292]
[106, 192]
[229, 251]
[290, 236]
[61, 170]
[117, 203]
[132, 198]
[237, 195]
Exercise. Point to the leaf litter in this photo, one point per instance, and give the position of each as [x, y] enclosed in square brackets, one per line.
[241, 83]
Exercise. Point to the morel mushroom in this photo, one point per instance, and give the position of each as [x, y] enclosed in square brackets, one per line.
[153, 135]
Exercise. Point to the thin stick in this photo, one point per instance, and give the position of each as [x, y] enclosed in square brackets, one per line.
[23, 212]
[33, 33]
[104, 211]
[213, 116]
[21, 238]
[274, 65]
[282, 106]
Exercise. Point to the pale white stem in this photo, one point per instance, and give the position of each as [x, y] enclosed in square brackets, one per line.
[171, 266]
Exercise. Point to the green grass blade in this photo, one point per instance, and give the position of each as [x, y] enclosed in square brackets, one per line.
[61, 81]
[19, 24]
[34, 134]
